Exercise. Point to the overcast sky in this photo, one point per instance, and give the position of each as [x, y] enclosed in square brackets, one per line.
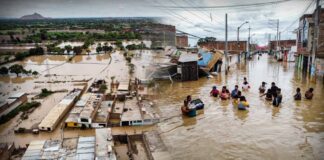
[198, 17]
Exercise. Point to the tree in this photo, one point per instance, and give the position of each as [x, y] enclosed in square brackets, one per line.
[68, 48]
[99, 49]
[107, 48]
[36, 51]
[119, 44]
[21, 56]
[77, 50]
[35, 73]
[206, 39]
[4, 70]
[17, 69]
[88, 51]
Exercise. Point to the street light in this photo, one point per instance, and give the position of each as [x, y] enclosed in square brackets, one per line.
[238, 33]
[238, 38]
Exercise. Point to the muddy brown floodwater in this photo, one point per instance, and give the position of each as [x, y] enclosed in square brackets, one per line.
[293, 131]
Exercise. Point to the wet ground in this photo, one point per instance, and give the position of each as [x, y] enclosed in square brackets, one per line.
[295, 130]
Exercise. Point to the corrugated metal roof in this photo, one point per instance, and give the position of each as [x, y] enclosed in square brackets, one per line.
[34, 150]
[16, 95]
[86, 148]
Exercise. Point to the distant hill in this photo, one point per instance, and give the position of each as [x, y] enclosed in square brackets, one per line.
[33, 16]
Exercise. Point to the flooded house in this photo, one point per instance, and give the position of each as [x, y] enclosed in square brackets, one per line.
[97, 86]
[72, 119]
[135, 113]
[123, 90]
[57, 113]
[103, 114]
[100, 146]
[188, 67]
[12, 102]
[89, 111]
[84, 111]
[117, 111]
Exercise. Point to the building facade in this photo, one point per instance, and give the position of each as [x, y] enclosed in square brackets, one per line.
[233, 46]
[306, 33]
[182, 41]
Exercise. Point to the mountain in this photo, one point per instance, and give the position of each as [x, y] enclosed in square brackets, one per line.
[33, 16]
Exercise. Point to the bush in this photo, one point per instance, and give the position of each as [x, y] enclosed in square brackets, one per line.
[102, 88]
[45, 93]
[21, 56]
[4, 70]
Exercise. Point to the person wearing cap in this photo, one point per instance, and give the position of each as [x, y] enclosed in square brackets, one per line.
[262, 88]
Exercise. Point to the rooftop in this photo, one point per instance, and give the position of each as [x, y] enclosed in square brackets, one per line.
[103, 111]
[188, 57]
[59, 110]
[133, 112]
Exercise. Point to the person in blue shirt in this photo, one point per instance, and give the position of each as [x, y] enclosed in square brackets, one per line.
[235, 91]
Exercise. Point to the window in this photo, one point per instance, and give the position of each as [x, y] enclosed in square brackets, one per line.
[84, 120]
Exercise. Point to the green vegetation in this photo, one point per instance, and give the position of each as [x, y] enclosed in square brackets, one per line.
[22, 108]
[80, 36]
[17, 69]
[134, 46]
[31, 52]
[4, 70]
[206, 39]
[102, 88]
[45, 93]
[35, 73]
[77, 50]
[119, 44]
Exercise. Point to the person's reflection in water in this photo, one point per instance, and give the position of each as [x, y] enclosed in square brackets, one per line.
[242, 115]
[275, 111]
[188, 121]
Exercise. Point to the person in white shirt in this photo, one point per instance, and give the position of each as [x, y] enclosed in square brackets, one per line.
[245, 85]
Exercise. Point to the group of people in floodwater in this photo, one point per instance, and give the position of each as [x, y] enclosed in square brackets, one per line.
[272, 94]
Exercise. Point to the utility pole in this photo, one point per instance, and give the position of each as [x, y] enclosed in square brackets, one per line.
[248, 43]
[277, 35]
[315, 38]
[238, 39]
[226, 46]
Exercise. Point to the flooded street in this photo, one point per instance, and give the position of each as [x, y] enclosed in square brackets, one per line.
[293, 131]
[297, 128]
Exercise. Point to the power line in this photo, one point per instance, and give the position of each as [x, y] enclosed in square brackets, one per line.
[306, 9]
[227, 6]
[173, 14]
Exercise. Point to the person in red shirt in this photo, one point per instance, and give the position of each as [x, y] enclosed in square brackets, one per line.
[214, 92]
